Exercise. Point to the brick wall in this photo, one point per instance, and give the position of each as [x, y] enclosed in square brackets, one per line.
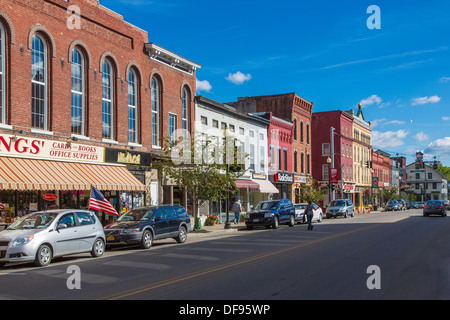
[103, 34]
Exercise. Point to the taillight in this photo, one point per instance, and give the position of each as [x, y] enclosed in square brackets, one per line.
[425, 207]
[440, 207]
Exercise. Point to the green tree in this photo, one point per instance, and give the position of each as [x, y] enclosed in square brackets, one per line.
[206, 170]
[312, 192]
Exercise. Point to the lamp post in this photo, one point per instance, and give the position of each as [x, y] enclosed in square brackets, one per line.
[329, 179]
[227, 222]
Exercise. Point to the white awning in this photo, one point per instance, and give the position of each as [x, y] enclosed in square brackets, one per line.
[265, 186]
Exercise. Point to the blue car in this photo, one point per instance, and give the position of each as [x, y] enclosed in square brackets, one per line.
[271, 213]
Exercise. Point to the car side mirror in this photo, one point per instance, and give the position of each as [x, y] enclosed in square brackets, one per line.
[61, 226]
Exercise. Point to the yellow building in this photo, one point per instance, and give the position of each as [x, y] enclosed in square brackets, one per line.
[362, 157]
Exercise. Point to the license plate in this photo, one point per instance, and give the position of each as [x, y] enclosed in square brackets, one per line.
[255, 220]
[110, 238]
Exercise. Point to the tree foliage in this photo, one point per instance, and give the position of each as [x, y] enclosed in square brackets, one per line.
[206, 170]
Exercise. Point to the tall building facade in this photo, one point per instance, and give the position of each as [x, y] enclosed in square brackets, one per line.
[293, 108]
[362, 155]
[86, 84]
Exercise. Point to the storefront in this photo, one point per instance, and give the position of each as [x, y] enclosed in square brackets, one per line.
[284, 182]
[33, 170]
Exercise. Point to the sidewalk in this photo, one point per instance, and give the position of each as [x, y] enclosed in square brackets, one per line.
[219, 228]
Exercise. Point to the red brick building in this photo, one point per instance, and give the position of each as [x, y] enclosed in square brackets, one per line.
[342, 158]
[82, 74]
[292, 108]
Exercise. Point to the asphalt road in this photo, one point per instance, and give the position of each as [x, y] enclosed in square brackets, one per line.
[411, 253]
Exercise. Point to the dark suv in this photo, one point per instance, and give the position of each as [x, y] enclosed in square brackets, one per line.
[145, 224]
[270, 214]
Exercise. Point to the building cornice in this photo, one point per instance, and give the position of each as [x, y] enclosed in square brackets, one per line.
[171, 59]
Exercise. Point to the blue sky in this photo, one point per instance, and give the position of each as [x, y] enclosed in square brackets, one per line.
[323, 51]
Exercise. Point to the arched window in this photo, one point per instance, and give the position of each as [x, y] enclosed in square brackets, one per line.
[156, 102]
[39, 83]
[185, 98]
[107, 100]
[132, 107]
[2, 76]
[78, 93]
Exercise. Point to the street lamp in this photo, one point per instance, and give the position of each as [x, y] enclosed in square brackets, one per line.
[329, 179]
[227, 135]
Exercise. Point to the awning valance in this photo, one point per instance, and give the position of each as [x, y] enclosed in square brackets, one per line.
[265, 186]
[34, 174]
[246, 184]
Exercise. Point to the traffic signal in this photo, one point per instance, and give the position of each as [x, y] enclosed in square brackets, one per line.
[369, 164]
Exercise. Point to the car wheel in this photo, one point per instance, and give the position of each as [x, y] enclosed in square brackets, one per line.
[98, 249]
[275, 223]
[147, 239]
[182, 235]
[43, 256]
[292, 221]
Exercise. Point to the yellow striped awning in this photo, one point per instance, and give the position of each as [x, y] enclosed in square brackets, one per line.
[33, 174]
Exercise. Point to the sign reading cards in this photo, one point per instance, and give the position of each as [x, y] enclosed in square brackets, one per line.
[48, 149]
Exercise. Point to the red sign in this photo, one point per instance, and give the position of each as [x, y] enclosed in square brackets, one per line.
[334, 175]
[50, 197]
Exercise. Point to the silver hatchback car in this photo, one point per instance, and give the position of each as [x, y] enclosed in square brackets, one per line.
[41, 236]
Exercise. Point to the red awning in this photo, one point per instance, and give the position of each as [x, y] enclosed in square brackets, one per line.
[246, 184]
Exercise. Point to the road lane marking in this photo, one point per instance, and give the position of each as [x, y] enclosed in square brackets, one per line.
[136, 291]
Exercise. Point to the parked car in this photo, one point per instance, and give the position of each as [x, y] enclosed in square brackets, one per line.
[143, 225]
[447, 204]
[393, 205]
[41, 236]
[435, 207]
[271, 213]
[412, 205]
[420, 204]
[300, 217]
[340, 207]
[402, 204]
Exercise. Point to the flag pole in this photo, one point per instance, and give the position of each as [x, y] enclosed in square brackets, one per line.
[90, 196]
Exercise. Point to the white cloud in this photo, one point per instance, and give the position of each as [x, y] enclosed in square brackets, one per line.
[421, 137]
[440, 147]
[389, 139]
[373, 99]
[445, 118]
[444, 79]
[238, 77]
[203, 85]
[425, 100]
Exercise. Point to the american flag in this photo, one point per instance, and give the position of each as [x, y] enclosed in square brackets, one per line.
[2, 205]
[98, 202]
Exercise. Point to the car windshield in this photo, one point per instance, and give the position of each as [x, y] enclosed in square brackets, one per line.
[38, 220]
[393, 202]
[269, 205]
[300, 206]
[140, 214]
[337, 203]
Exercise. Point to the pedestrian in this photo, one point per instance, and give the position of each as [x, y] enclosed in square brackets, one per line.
[309, 214]
[237, 211]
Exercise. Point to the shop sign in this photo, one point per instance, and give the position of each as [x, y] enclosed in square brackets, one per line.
[18, 146]
[375, 182]
[50, 197]
[259, 176]
[127, 157]
[283, 177]
[301, 179]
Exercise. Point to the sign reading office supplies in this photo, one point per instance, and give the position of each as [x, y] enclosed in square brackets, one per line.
[17, 146]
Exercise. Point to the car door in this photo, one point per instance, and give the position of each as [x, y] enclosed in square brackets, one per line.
[350, 208]
[160, 226]
[87, 230]
[66, 239]
[172, 222]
